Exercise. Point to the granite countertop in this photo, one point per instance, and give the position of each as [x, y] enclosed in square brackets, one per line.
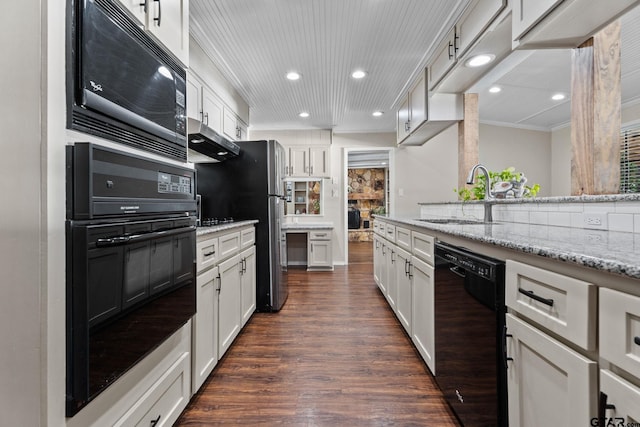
[603, 198]
[307, 226]
[609, 251]
[203, 231]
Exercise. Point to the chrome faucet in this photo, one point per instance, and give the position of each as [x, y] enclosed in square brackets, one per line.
[488, 195]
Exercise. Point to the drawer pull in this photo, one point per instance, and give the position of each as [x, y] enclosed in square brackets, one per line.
[210, 253]
[156, 421]
[530, 294]
[636, 340]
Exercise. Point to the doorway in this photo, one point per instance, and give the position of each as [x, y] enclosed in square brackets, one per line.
[368, 179]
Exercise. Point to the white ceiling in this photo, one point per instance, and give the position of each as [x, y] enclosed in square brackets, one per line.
[255, 43]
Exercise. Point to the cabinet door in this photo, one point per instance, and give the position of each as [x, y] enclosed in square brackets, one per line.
[319, 254]
[403, 121]
[527, 13]
[194, 98]
[229, 124]
[623, 397]
[620, 329]
[549, 384]
[444, 59]
[168, 20]
[205, 327]
[391, 263]
[248, 283]
[298, 165]
[242, 130]
[403, 278]
[229, 304]
[212, 110]
[422, 312]
[136, 7]
[318, 161]
[474, 21]
[418, 103]
[378, 260]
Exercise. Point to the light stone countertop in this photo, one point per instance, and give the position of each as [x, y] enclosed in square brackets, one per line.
[307, 226]
[609, 251]
[203, 231]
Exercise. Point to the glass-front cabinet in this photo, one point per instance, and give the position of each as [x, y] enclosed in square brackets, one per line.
[304, 197]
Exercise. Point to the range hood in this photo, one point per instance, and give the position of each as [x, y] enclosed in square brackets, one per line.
[207, 141]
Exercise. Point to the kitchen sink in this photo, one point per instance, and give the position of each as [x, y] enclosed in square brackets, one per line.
[455, 221]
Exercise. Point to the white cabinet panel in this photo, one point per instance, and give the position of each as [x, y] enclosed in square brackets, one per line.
[474, 21]
[320, 254]
[423, 311]
[403, 283]
[624, 398]
[562, 304]
[422, 246]
[248, 283]
[527, 13]
[403, 127]
[229, 304]
[444, 59]
[212, 109]
[548, 383]
[298, 164]
[620, 330]
[378, 263]
[205, 327]
[403, 238]
[390, 264]
[207, 253]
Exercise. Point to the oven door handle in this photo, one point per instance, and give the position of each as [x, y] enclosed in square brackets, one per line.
[134, 238]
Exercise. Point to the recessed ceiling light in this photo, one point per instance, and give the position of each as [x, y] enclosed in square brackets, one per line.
[358, 74]
[558, 97]
[480, 60]
[495, 89]
[304, 114]
[292, 75]
[377, 113]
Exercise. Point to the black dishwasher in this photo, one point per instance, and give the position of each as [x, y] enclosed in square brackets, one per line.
[469, 327]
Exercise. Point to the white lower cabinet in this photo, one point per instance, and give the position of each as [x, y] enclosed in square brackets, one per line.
[619, 399]
[389, 270]
[226, 296]
[248, 283]
[163, 403]
[319, 250]
[549, 384]
[403, 283]
[205, 331]
[229, 303]
[422, 312]
[377, 263]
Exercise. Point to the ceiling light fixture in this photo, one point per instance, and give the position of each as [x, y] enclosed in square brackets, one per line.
[480, 60]
[558, 97]
[377, 113]
[358, 74]
[304, 114]
[292, 75]
[495, 89]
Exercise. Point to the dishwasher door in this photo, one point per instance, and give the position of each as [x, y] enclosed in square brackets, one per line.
[469, 320]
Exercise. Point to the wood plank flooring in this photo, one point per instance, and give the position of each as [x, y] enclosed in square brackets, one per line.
[335, 355]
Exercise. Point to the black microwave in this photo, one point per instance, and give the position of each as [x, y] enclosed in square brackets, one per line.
[121, 84]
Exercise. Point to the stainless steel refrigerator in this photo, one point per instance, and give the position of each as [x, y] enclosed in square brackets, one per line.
[250, 187]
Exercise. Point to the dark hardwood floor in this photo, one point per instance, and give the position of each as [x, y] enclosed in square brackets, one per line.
[335, 355]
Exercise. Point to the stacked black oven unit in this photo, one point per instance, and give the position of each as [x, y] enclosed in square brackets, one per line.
[130, 263]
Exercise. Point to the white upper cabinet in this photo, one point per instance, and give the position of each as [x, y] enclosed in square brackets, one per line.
[403, 120]
[469, 36]
[308, 162]
[167, 21]
[232, 126]
[203, 104]
[540, 24]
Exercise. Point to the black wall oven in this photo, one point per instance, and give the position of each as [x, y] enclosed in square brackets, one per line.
[130, 263]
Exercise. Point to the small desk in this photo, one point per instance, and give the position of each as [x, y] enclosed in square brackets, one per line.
[316, 238]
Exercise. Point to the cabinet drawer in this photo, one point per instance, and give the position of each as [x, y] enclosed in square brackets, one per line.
[623, 395]
[320, 235]
[422, 245]
[162, 404]
[561, 304]
[207, 253]
[620, 329]
[390, 232]
[229, 244]
[403, 238]
[247, 237]
[378, 227]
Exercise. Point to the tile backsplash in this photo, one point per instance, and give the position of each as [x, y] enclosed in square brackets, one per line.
[588, 212]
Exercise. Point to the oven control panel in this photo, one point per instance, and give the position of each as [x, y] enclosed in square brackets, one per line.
[170, 183]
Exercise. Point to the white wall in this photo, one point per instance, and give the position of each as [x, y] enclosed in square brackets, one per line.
[22, 233]
[529, 151]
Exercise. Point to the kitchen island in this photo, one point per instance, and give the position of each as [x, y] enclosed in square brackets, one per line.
[571, 344]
